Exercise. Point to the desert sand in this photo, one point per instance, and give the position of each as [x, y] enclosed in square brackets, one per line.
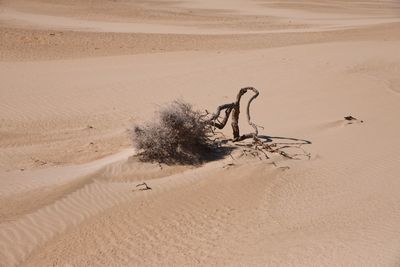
[77, 75]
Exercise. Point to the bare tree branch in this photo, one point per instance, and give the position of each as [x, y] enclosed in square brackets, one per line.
[258, 145]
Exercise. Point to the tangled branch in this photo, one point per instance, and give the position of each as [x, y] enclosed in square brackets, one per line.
[258, 145]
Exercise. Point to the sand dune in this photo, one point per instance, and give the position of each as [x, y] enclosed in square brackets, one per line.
[239, 12]
[316, 23]
[76, 75]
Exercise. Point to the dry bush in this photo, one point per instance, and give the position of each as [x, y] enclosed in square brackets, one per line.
[184, 135]
[178, 135]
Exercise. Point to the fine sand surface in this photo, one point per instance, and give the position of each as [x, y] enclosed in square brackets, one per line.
[77, 75]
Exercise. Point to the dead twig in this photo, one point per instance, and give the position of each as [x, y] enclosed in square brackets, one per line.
[145, 188]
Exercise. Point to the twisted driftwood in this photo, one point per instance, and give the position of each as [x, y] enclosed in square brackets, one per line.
[234, 108]
[258, 144]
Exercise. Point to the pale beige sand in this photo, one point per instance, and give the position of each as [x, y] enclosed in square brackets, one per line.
[76, 75]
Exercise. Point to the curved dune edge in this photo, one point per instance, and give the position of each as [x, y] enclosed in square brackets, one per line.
[21, 19]
[19, 183]
[24, 192]
[101, 185]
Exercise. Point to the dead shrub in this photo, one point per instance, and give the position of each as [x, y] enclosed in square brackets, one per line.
[184, 135]
[178, 135]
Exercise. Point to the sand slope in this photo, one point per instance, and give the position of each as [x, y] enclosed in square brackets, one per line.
[68, 181]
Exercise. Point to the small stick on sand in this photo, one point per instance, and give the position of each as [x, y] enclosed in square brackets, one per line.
[146, 187]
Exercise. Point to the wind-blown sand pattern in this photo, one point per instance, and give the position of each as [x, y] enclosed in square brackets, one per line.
[76, 75]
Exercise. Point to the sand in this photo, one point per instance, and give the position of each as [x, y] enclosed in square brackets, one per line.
[77, 75]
